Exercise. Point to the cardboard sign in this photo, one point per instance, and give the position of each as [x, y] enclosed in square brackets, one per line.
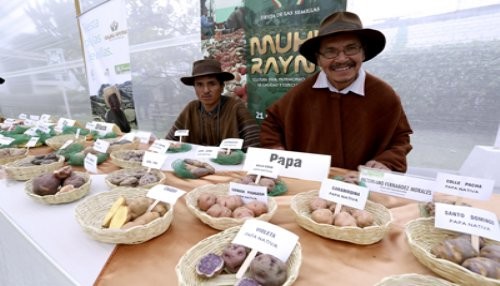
[344, 193]
[209, 152]
[90, 163]
[153, 160]
[266, 238]
[32, 142]
[248, 193]
[467, 187]
[306, 166]
[397, 185]
[160, 146]
[165, 193]
[467, 220]
[231, 143]
[101, 145]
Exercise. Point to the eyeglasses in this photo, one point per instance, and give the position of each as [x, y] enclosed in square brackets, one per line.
[331, 53]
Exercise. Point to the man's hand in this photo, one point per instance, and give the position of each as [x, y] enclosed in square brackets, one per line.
[376, 165]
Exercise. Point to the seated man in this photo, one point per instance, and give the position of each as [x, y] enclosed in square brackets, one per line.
[115, 114]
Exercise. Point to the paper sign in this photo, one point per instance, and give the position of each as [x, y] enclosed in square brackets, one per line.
[22, 116]
[32, 142]
[248, 193]
[45, 117]
[231, 143]
[64, 122]
[9, 121]
[160, 146]
[344, 193]
[66, 144]
[497, 140]
[90, 163]
[165, 193]
[270, 170]
[6, 140]
[392, 184]
[266, 238]
[181, 132]
[90, 125]
[144, 136]
[153, 160]
[44, 128]
[306, 166]
[467, 220]
[467, 187]
[31, 131]
[29, 122]
[207, 152]
[129, 137]
[101, 145]
[34, 117]
[103, 128]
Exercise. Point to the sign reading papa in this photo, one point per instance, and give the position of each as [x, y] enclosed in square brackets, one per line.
[306, 166]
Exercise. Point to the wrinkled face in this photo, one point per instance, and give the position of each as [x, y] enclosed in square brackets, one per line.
[208, 89]
[342, 69]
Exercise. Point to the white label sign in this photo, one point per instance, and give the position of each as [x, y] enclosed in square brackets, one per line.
[387, 183]
[467, 187]
[90, 125]
[22, 116]
[467, 220]
[90, 163]
[29, 122]
[32, 142]
[101, 145]
[248, 193]
[165, 193]
[44, 128]
[144, 136]
[181, 132]
[207, 152]
[153, 160]
[31, 131]
[160, 146]
[306, 166]
[129, 137]
[266, 238]
[344, 193]
[6, 140]
[62, 122]
[45, 117]
[103, 128]
[269, 170]
[34, 117]
[231, 143]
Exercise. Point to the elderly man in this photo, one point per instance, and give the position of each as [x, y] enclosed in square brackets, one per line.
[213, 117]
[342, 110]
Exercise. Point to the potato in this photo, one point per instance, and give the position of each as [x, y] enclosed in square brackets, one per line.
[268, 270]
[454, 249]
[491, 251]
[219, 211]
[142, 220]
[230, 202]
[268, 183]
[322, 216]
[63, 173]
[318, 203]
[206, 200]
[75, 180]
[242, 212]
[120, 201]
[66, 189]
[363, 218]
[160, 208]
[257, 207]
[46, 184]
[234, 255]
[483, 266]
[343, 218]
[138, 206]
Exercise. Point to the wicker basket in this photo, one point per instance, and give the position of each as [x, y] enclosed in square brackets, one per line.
[357, 235]
[413, 279]
[7, 157]
[185, 268]
[117, 158]
[58, 141]
[159, 174]
[60, 198]
[90, 212]
[422, 236]
[221, 223]
[15, 171]
[114, 146]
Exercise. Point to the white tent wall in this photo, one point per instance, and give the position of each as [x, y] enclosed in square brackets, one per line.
[441, 57]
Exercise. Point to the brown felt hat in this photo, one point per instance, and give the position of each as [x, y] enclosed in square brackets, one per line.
[207, 67]
[373, 41]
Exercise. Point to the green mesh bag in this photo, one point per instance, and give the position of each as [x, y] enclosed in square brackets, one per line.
[74, 129]
[184, 147]
[70, 150]
[77, 159]
[105, 136]
[181, 170]
[279, 189]
[234, 158]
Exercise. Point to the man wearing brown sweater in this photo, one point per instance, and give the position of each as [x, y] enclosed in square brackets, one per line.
[342, 111]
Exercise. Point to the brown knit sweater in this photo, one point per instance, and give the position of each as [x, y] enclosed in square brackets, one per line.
[352, 129]
[233, 120]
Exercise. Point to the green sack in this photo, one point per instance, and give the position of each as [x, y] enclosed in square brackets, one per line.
[184, 147]
[234, 158]
[70, 149]
[279, 189]
[77, 159]
[180, 169]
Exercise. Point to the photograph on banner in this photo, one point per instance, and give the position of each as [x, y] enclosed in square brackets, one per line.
[107, 60]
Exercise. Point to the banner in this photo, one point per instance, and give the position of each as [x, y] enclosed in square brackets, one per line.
[258, 42]
[107, 57]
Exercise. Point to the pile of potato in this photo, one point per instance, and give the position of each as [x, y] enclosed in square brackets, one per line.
[459, 250]
[264, 270]
[267, 182]
[229, 206]
[126, 213]
[59, 181]
[132, 178]
[322, 211]
[37, 160]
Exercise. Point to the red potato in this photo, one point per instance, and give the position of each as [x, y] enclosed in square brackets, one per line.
[257, 207]
[242, 212]
[206, 200]
[219, 211]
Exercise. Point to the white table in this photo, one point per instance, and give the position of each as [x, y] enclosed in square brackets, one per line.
[44, 244]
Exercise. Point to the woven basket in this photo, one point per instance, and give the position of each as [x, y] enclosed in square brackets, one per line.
[185, 268]
[221, 223]
[60, 198]
[130, 145]
[356, 235]
[413, 279]
[7, 157]
[90, 212]
[23, 173]
[158, 173]
[58, 141]
[422, 236]
[117, 158]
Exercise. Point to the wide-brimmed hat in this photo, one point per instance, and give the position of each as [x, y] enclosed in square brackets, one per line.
[207, 67]
[373, 41]
[110, 90]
